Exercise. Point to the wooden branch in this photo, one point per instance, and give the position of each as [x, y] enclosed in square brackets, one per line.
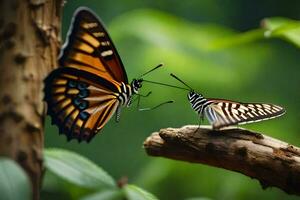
[271, 161]
[29, 44]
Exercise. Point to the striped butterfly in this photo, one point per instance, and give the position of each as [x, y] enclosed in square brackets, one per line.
[222, 113]
[91, 83]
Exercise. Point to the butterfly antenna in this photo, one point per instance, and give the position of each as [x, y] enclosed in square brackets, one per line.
[158, 66]
[158, 83]
[181, 81]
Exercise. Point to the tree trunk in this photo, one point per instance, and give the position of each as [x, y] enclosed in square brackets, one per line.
[271, 161]
[29, 45]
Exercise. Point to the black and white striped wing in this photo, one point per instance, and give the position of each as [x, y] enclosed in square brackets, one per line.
[222, 113]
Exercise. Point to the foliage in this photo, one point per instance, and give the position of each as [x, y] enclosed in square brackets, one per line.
[276, 27]
[14, 183]
[136, 193]
[283, 28]
[80, 171]
[77, 169]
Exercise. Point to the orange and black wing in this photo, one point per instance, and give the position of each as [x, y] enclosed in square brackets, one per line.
[89, 48]
[80, 103]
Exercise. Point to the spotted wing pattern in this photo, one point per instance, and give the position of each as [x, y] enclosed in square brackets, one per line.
[89, 48]
[221, 113]
[79, 103]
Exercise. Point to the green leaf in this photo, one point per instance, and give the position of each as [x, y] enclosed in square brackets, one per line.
[14, 183]
[133, 192]
[276, 27]
[77, 169]
[106, 195]
[53, 184]
[236, 39]
[283, 28]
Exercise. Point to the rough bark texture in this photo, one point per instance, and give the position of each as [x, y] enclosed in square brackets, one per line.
[29, 44]
[271, 161]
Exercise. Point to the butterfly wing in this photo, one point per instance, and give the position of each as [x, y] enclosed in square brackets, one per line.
[82, 93]
[80, 103]
[89, 48]
[221, 113]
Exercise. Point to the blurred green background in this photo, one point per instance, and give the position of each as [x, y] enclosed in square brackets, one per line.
[199, 41]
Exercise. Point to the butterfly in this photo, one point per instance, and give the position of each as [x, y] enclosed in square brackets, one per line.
[222, 113]
[91, 83]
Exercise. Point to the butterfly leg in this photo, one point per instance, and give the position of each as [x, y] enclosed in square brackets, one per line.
[152, 108]
[146, 109]
[138, 102]
[118, 114]
[199, 124]
[200, 119]
[139, 99]
[145, 95]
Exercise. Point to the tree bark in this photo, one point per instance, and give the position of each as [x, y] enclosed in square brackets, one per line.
[29, 45]
[270, 161]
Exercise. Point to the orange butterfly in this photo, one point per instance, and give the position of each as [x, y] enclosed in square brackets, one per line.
[91, 83]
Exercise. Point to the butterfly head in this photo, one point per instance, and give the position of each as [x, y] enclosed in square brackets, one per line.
[136, 84]
[192, 95]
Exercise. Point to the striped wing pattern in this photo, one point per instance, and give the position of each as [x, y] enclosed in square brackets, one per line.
[89, 48]
[79, 103]
[221, 113]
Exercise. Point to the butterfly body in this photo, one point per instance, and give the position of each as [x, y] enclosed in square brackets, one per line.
[221, 113]
[91, 83]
